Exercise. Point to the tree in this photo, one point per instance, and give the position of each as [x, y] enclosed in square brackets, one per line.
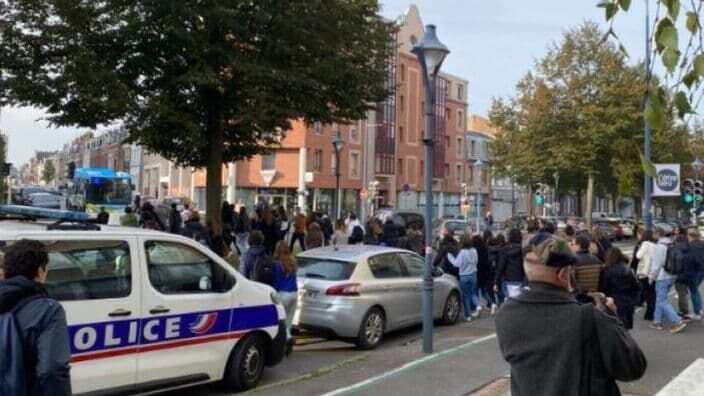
[200, 82]
[575, 109]
[48, 172]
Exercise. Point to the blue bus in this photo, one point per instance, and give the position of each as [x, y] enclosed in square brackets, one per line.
[93, 188]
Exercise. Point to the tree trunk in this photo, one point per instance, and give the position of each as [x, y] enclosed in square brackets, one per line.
[213, 179]
[590, 199]
[531, 201]
[579, 202]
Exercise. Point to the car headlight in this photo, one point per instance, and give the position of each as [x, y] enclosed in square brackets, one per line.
[275, 298]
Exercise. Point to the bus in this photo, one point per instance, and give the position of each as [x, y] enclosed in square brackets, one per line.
[93, 188]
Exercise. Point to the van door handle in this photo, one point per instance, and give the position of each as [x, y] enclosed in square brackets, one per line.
[120, 312]
[159, 309]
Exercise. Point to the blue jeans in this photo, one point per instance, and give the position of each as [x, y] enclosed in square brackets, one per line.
[468, 285]
[488, 293]
[693, 285]
[663, 307]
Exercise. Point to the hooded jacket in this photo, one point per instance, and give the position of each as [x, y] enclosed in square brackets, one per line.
[250, 258]
[42, 324]
[588, 349]
[510, 268]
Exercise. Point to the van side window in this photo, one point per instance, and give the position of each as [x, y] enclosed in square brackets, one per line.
[175, 268]
[88, 270]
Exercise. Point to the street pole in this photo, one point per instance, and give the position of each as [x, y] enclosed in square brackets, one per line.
[479, 192]
[430, 53]
[337, 144]
[555, 176]
[648, 196]
[513, 197]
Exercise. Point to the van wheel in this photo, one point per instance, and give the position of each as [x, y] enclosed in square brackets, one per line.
[246, 364]
[451, 312]
[371, 331]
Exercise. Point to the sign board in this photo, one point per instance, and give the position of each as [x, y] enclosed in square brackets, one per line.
[406, 187]
[363, 194]
[309, 177]
[667, 182]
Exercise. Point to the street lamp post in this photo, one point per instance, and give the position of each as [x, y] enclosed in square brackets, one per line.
[431, 53]
[555, 176]
[367, 164]
[479, 164]
[648, 181]
[697, 166]
[337, 143]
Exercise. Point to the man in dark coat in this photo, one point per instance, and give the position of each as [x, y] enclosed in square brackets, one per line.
[41, 320]
[174, 220]
[545, 333]
[448, 244]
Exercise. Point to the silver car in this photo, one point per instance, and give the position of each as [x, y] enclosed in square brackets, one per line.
[359, 292]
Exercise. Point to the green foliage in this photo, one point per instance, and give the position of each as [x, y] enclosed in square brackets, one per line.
[200, 82]
[48, 172]
[624, 4]
[692, 21]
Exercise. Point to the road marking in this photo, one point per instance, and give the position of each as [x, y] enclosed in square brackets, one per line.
[688, 382]
[408, 366]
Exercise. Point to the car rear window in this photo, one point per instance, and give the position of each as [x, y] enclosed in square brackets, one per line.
[456, 226]
[325, 269]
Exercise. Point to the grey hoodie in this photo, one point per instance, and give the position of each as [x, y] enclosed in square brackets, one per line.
[658, 258]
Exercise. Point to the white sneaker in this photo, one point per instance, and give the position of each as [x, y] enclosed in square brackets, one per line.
[694, 317]
[493, 309]
[468, 319]
[476, 313]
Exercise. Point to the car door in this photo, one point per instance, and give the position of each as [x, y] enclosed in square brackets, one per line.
[393, 289]
[97, 281]
[187, 301]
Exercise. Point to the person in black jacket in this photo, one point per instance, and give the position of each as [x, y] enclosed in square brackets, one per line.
[103, 216]
[195, 230]
[41, 320]
[485, 274]
[617, 281]
[694, 272]
[448, 244]
[390, 234]
[174, 220]
[149, 219]
[494, 249]
[509, 274]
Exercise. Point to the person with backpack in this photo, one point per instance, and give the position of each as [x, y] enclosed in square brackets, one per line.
[149, 219]
[663, 281]
[617, 281]
[286, 285]
[466, 262]
[447, 245]
[256, 264]
[33, 329]
[175, 221]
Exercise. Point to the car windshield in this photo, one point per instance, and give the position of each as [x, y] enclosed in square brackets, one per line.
[108, 191]
[456, 226]
[326, 269]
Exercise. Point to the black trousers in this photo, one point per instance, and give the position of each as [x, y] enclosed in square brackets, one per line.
[647, 296]
[301, 238]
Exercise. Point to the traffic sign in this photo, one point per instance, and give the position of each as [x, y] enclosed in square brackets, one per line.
[363, 194]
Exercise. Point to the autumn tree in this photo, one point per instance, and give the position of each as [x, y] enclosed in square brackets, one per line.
[200, 82]
[48, 171]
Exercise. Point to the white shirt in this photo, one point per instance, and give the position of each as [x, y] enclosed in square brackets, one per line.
[466, 261]
[645, 259]
[657, 266]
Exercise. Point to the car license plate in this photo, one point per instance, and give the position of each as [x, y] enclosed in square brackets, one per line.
[312, 293]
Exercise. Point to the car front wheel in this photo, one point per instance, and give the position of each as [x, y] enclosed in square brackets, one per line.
[451, 312]
[371, 331]
[246, 364]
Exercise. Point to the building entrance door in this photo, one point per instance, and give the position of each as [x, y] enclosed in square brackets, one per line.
[273, 200]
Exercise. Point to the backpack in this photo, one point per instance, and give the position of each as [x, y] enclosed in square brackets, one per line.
[263, 270]
[674, 263]
[13, 379]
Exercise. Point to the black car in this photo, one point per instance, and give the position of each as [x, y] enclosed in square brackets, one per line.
[403, 219]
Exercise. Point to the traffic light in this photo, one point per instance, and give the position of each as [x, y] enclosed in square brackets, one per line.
[70, 170]
[698, 191]
[688, 191]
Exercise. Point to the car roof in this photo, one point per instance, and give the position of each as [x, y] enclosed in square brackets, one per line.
[348, 252]
[9, 229]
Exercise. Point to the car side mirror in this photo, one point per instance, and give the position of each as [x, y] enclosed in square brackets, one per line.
[437, 272]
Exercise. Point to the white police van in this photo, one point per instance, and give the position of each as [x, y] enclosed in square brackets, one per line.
[148, 310]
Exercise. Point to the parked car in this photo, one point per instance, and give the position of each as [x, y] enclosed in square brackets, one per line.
[25, 192]
[443, 226]
[358, 293]
[667, 228]
[44, 200]
[606, 228]
[628, 228]
[618, 230]
[404, 219]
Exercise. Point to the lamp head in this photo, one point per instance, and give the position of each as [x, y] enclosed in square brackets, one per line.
[430, 51]
[338, 143]
[697, 164]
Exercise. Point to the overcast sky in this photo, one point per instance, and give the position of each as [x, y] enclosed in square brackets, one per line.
[492, 43]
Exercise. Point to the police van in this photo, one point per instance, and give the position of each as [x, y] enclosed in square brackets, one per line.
[148, 310]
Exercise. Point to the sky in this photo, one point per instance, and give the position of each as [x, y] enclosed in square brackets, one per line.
[493, 44]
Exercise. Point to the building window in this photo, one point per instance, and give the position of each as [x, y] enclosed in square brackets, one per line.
[448, 88]
[318, 128]
[354, 133]
[485, 175]
[421, 169]
[317, 160]
[333, 162]
[460, 92]
[448, 113]
[335, 128]
[446, 170]
[354, 165]
[269, 161]
[400, 167]
[401, 103]
[458, 174]
[447, 142]
[401, 135]
[470, 174]
[460, 119]
[458, 148]
[403, 72]
[474, 149]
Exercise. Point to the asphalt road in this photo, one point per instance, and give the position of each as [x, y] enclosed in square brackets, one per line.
[468, 358]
